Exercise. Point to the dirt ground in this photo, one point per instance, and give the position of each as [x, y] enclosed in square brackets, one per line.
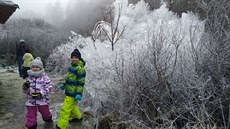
[12, 104]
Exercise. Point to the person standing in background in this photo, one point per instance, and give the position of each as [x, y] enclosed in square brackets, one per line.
[20, 51]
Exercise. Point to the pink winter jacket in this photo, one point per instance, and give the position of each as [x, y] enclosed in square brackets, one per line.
[40, 85]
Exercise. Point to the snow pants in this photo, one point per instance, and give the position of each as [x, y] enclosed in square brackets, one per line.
[69, 109]
[31, 115]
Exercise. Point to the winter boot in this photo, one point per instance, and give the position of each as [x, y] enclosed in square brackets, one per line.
[57, 127]
[33, 127]
[50, 121]
[76, 120]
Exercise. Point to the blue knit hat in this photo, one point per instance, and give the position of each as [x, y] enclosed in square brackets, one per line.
[76, 53]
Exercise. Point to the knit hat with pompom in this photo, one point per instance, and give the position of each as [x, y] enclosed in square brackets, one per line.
[37, 62]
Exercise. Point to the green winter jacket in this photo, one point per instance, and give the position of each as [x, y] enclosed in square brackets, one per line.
[75, 79]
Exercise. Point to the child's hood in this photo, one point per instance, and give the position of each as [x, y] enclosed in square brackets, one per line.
[28, 55]
[81, 63]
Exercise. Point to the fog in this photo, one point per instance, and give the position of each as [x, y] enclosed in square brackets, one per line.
[30, 7]
[77, 15]
[39, 7]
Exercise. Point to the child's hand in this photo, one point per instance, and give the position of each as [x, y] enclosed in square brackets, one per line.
[78, 97]
[26, 86]
[37, 96]
[61, 86]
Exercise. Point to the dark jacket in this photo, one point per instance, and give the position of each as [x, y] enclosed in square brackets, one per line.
[20, 51]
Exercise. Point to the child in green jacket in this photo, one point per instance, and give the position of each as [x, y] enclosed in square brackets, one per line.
[73, 86]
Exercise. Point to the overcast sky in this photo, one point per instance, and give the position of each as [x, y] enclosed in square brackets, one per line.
[37, 6]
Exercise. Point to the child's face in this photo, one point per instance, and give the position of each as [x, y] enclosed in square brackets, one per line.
[35, 68]
[74, 59]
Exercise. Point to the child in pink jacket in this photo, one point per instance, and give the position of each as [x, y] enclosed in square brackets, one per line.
[37, 87]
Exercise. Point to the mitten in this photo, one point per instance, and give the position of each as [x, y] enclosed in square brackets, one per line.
[39, 96]
[26, 85]
[78, 97]
[61, 86]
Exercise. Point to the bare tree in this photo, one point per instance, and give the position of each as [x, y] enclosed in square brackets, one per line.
[111, 30]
